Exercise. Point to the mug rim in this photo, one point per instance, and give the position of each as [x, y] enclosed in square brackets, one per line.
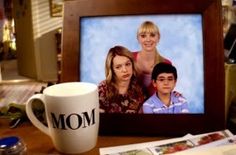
[73, 85]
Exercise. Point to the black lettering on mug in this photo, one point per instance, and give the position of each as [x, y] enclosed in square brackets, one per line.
[68, 120]
[88, 119]
[64, 122]
[58, 123]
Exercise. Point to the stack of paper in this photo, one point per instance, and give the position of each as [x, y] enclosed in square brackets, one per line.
[217, 143]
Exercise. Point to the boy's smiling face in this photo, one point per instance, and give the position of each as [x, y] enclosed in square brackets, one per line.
[164, 83]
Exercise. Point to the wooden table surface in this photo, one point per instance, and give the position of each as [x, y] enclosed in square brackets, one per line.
[39, 143]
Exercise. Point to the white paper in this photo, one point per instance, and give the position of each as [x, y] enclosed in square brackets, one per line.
[186, 143]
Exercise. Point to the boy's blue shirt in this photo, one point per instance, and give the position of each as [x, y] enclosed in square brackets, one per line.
[155, 105]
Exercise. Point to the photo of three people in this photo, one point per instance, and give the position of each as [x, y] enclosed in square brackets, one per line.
[174, 40]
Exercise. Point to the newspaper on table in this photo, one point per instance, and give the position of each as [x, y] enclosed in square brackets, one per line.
[225, 146]
[189, 143]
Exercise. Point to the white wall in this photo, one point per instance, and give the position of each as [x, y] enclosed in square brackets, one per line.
[44, 29]
[36, 44]
[24, 39]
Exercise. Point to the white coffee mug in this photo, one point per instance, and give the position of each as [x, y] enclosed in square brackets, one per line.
[72, 112]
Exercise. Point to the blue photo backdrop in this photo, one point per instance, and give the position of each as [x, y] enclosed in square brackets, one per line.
[181, 42]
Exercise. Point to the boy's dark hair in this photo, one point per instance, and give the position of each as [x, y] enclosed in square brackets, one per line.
[163, 67]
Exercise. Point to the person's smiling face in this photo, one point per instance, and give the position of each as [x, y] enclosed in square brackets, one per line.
[148, 41]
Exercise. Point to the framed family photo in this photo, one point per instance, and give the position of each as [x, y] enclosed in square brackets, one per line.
[182, 44]
[186, 32]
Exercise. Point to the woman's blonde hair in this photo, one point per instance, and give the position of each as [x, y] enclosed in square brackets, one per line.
[148, 27]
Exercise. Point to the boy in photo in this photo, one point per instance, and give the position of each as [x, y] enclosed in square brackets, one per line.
[164, 100]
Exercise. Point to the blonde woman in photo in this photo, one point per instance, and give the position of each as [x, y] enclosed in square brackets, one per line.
[148, 36]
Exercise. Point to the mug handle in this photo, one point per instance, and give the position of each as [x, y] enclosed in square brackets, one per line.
[32, 116]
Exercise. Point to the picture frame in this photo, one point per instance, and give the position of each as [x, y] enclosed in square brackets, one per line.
[56, 8]
[149, 124]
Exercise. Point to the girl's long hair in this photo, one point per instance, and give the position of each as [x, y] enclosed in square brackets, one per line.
[110, 74]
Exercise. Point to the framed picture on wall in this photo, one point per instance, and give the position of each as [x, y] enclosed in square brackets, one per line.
[56, 8]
